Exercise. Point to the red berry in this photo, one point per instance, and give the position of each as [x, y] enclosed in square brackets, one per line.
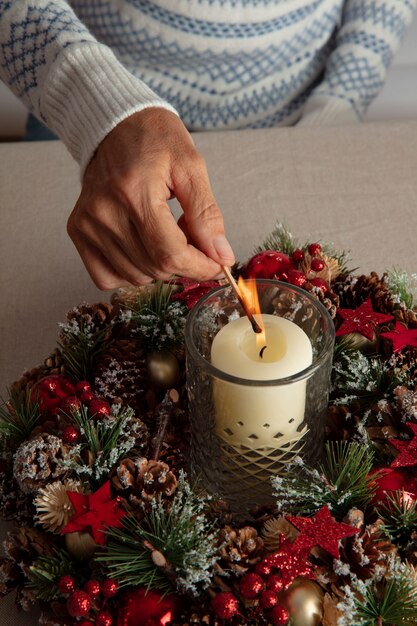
[267, 264]
[320, 284]
[92, 587]
[225, 605]
[70, 405]
[85, 622]
[251, 585]
[317, 265]
[282, 276]
[263, 569]
[66, 584]
[104, 618]
[314, 248]
[268, 599]
[278, 616]
[70, 435]
[275, 583]
[86, 397]
[82, 386]
[109, 588]
[297, 277]
[66, 387]
[48, 385]
[298, 256]
[98, 409]
[79, 604]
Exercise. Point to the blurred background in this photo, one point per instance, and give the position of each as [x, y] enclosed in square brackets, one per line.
[398, 99]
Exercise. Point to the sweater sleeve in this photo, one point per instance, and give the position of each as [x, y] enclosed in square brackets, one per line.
[370, 33]
[73, 83]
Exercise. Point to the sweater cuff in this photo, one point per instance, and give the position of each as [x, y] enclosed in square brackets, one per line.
[323, 110]
[87, 93]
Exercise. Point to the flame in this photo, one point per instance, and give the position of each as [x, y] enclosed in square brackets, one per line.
[249, 296]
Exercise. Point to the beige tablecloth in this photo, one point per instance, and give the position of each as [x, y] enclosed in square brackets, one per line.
[355, 186]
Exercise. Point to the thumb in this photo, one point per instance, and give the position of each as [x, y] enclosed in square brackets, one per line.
[202, 220]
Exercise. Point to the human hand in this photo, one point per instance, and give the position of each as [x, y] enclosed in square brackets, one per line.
[122, 226]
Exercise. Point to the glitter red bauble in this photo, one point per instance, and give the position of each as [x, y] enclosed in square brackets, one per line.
[92, 587]
[268, 599]
[66, 584]
[317, 265]
[98, 409]
[298, 256]
[51, 391]
[104, 618]
[70, 434]
[263, 569]
[109, 587]
[82, 386]
[85, 622]
[87, 396]
[314, 248]
[275, 583]
[278, 616]
[320, 284]
[251, 585]
[225, 605]
[142, 607]
[78, 604]
[267, 264]
[297, 277]
[70, 404]
[388, 480]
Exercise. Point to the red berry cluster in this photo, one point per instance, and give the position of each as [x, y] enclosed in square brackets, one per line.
[90, 602]
[280, 266]
[58, 394]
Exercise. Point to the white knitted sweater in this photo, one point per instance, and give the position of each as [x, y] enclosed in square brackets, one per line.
[219, 63]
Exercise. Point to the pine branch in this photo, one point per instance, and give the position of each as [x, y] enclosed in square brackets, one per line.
[44, 574]
[19, 416]
[81, 349]
[402, 286]
[280, 239]
[399, 515]
[341, 482]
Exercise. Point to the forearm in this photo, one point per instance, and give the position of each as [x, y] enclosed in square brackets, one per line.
[73, 83]
[370, 33]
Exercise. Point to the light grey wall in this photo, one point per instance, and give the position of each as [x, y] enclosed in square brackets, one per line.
[398, 99]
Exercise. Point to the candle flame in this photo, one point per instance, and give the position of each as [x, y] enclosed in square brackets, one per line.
[249, 296]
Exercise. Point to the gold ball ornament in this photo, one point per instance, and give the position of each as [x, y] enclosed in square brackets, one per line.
[80, 545]
[163, 369]
[305, 603]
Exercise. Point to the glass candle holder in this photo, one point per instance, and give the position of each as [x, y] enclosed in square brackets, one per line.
[246, 428]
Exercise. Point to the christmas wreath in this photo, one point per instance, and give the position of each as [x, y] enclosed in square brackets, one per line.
[111, 531]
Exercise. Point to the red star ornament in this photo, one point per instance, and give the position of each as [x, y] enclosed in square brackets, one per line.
[94, 513]
[361, 320]
[291, 560]
[401, 337]
[407, 449]
[321, 530]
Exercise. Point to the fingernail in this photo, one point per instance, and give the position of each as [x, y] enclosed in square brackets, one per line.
[224, 249]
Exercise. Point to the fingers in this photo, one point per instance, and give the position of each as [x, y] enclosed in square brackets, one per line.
[202, 217]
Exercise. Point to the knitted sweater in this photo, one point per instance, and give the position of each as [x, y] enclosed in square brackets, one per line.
[219, 63]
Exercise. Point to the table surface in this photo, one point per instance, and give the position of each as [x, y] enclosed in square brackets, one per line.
[355, 186]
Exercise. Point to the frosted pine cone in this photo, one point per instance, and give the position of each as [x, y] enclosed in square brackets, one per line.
[242, 547]
[353, 291]
[329, 300]
[40, 459]
[405, 361]
[93, 318]
[143, 479]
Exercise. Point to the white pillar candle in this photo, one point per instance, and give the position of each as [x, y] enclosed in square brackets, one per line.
[260, 416]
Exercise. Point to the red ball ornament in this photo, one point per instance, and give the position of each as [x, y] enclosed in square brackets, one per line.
[267, 264]
[92, 587]
[86, 397]
[98, 409]
[268, 599]
[298, 256]
[278, 616]
[251, 585]
[388, 480]
[82, 386]
[275, 583]
[320, 284]
[78, 604]
[297, 277]
[104, 618]
[314, 249]
[225, 605]
[85, 622]
[263, 569]
[109, 587]
[317, 265]
[66, 584]
[70, 405]
[70, 434]
[140, 607]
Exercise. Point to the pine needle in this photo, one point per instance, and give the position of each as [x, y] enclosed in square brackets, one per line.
[81, 350]
[280, 239]
[45, 572]
[19, 416]
[399, 515]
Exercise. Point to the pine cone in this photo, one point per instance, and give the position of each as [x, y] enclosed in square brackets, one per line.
[406, 361]
[329, 300]
[353, 291]
[38, 460]
[54, 363]
[94, 317]
[341, 422]
[139, 478]
[411, 549]
[14, 503]
[28, 379]
[121, 373]
[242, 547]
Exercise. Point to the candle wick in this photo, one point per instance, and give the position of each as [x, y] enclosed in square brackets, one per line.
[261, 353]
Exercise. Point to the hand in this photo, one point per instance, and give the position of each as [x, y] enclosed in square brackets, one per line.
[122, 226]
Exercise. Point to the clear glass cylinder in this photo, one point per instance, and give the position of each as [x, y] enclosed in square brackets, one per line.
[245, 429]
